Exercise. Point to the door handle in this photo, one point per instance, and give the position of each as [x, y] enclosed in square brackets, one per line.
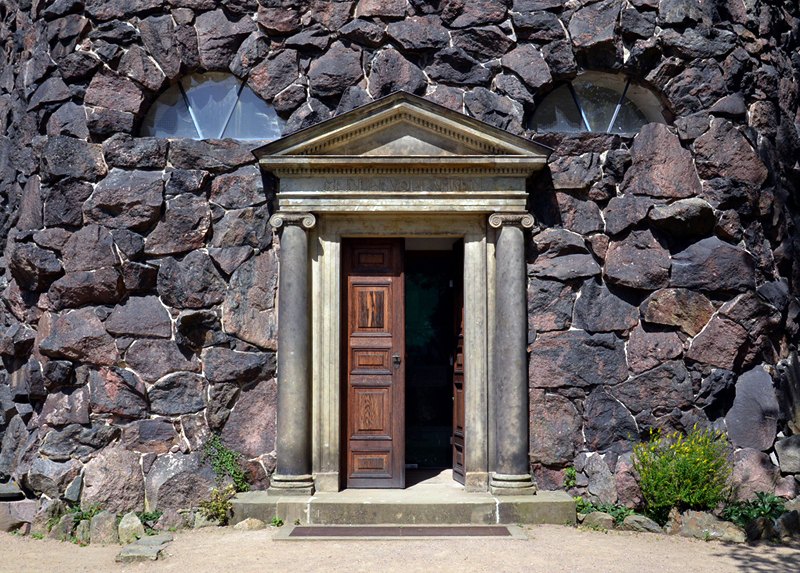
[396, 359]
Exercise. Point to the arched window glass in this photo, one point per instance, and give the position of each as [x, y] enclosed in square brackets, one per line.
[215, 105]
[596, 102]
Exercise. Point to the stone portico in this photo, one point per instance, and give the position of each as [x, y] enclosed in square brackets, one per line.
[402, 167]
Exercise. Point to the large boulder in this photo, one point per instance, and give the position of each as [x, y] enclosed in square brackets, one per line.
[111, 91]
[592, 28]
[686, 309]
[77, 440]
[193, 282]
[140, 316]
[226, 365]
[647, 349]
[713, 265]
[51, 478]
[607, 421]
[217, 155]
[155, 358]
[100, 286]
[391, 72]
[32, 267]
[719, 344]
[182, 228]
[753, 471]
[178, 393]
[89, 248]
[575, 358]
[556, 427]
[599, 310]
[638, 261]
[788, 450]
[117, 391]
[248, 311]
[178, 481]
[242, 188]
[690, 217]
[219, 37]
[68, 406]
[114, 481]
[465, 13]
[274, 74]
[550, 305]
[126, 200]
[663, 389]
[661, 166]
[64, 156]
[251, 426]
[527, 61]
[331, 74]
[752, 421]
[724, 152]
[79, 335]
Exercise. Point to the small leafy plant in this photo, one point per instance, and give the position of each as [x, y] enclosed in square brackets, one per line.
[276, 522]
[765, 505]
[618, 512]
[225, 462]
[219, 506]
[570, 477]
[682, 471]
[149, 519]
[37, 535]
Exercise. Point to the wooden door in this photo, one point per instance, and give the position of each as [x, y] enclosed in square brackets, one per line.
[458, 366]
[374, 363]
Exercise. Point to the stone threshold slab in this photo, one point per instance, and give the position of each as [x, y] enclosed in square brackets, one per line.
[434, 506]
[392, 532]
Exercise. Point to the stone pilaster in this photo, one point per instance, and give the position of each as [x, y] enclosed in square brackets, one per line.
[293, 471]
[510, 474]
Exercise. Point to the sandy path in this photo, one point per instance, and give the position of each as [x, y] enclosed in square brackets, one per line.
[547, 549]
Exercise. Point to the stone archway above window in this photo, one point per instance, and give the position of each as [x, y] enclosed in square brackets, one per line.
[597, 102]
[214, 105]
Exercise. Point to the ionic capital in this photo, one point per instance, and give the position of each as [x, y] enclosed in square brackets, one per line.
[306, 220]
[523, 220]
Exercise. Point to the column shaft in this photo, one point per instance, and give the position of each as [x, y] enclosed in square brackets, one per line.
[511, 472]
[293, 469]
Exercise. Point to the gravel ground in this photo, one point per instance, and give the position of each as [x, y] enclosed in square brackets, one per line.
[548, 548]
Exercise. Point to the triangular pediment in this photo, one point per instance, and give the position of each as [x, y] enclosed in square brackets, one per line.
[401, 125]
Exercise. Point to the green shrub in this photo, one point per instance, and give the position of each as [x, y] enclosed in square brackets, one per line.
[684, 472]
[219, 506]
[618, 512]
[765, 505]
[570, 477]
[225, 462]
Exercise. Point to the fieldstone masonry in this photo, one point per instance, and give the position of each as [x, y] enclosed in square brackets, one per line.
[139, 275]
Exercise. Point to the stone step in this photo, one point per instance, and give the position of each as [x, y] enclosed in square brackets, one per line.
[396, 507]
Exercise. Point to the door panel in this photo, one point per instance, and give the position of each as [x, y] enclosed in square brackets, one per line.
[374, 370]
[458, 367]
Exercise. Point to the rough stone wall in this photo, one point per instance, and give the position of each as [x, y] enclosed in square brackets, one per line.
[139, 274]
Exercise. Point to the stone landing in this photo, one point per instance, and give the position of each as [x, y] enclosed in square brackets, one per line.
[432, 502]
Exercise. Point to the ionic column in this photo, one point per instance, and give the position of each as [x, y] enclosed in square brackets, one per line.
[511, 474]
[293, 443]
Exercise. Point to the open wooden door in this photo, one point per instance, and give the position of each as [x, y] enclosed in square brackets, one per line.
[375, 336]
[458, 365]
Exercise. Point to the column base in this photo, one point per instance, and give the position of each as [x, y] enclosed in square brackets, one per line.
[291, 485]
[504, 484]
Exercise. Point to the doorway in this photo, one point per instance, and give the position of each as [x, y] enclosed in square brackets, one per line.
[403, 361]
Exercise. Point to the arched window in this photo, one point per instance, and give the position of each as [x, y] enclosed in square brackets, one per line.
[215, 105]
[605, 103]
